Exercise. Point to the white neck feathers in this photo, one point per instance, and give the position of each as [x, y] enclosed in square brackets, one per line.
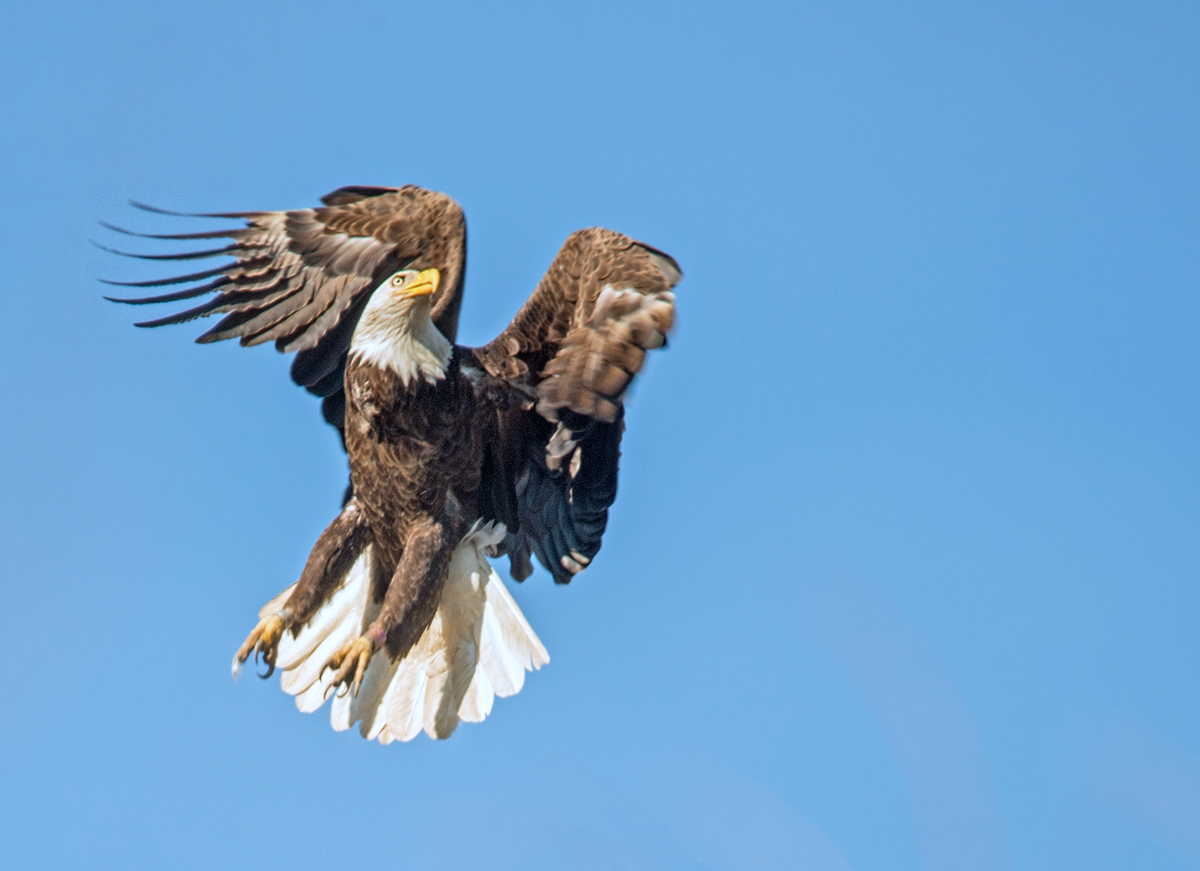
[398, 334]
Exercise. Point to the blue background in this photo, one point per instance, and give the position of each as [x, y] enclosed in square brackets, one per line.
[903, 572]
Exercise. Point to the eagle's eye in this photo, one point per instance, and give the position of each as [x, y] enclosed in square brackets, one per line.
[397, 280]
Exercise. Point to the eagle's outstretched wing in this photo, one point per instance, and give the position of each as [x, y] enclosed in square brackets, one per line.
[301, 278]
[578, 341]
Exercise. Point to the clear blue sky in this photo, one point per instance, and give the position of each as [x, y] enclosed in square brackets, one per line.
[903, 571]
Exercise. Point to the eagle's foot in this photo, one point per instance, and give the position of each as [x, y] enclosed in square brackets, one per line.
[263, 642]
[350, 663]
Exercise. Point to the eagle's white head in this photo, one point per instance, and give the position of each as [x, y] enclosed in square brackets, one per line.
[396, 332]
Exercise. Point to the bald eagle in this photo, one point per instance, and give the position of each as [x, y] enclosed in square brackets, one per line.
[456, 453]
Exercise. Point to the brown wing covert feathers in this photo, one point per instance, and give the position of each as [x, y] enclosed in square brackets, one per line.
[300, 278]
[580, 339]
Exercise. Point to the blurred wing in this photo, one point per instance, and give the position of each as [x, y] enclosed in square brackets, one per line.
[301, 278]
[578, 342]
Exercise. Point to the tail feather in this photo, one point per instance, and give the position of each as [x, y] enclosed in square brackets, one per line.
[366, 708]
[405, 703]
[477, 647]
[510, 645]
[454, 639]
[480, 697]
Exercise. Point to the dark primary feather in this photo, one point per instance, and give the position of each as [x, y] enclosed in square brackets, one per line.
[186, 255]
[183, 279]
[158, 211]
[183, 317]
[560, 516]
[231, 233]
[187, 293]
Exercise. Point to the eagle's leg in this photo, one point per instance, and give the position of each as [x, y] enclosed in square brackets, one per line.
[330, 559]
[410, 603]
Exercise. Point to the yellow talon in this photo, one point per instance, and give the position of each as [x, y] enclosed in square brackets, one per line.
[351, 659]
[262, 641]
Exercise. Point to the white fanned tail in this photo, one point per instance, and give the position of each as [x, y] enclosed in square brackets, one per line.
[478, 646]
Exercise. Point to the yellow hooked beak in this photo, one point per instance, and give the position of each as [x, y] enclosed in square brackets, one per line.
[424, 284]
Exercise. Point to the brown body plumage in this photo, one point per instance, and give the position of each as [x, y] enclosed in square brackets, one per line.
[524, 431]
[416, 460]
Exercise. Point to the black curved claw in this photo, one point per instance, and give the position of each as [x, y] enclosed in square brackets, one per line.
[270, 663]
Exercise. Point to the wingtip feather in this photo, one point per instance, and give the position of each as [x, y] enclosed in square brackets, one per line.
[145, 207]
[179, 279]
[231, 233]
[186, 255]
